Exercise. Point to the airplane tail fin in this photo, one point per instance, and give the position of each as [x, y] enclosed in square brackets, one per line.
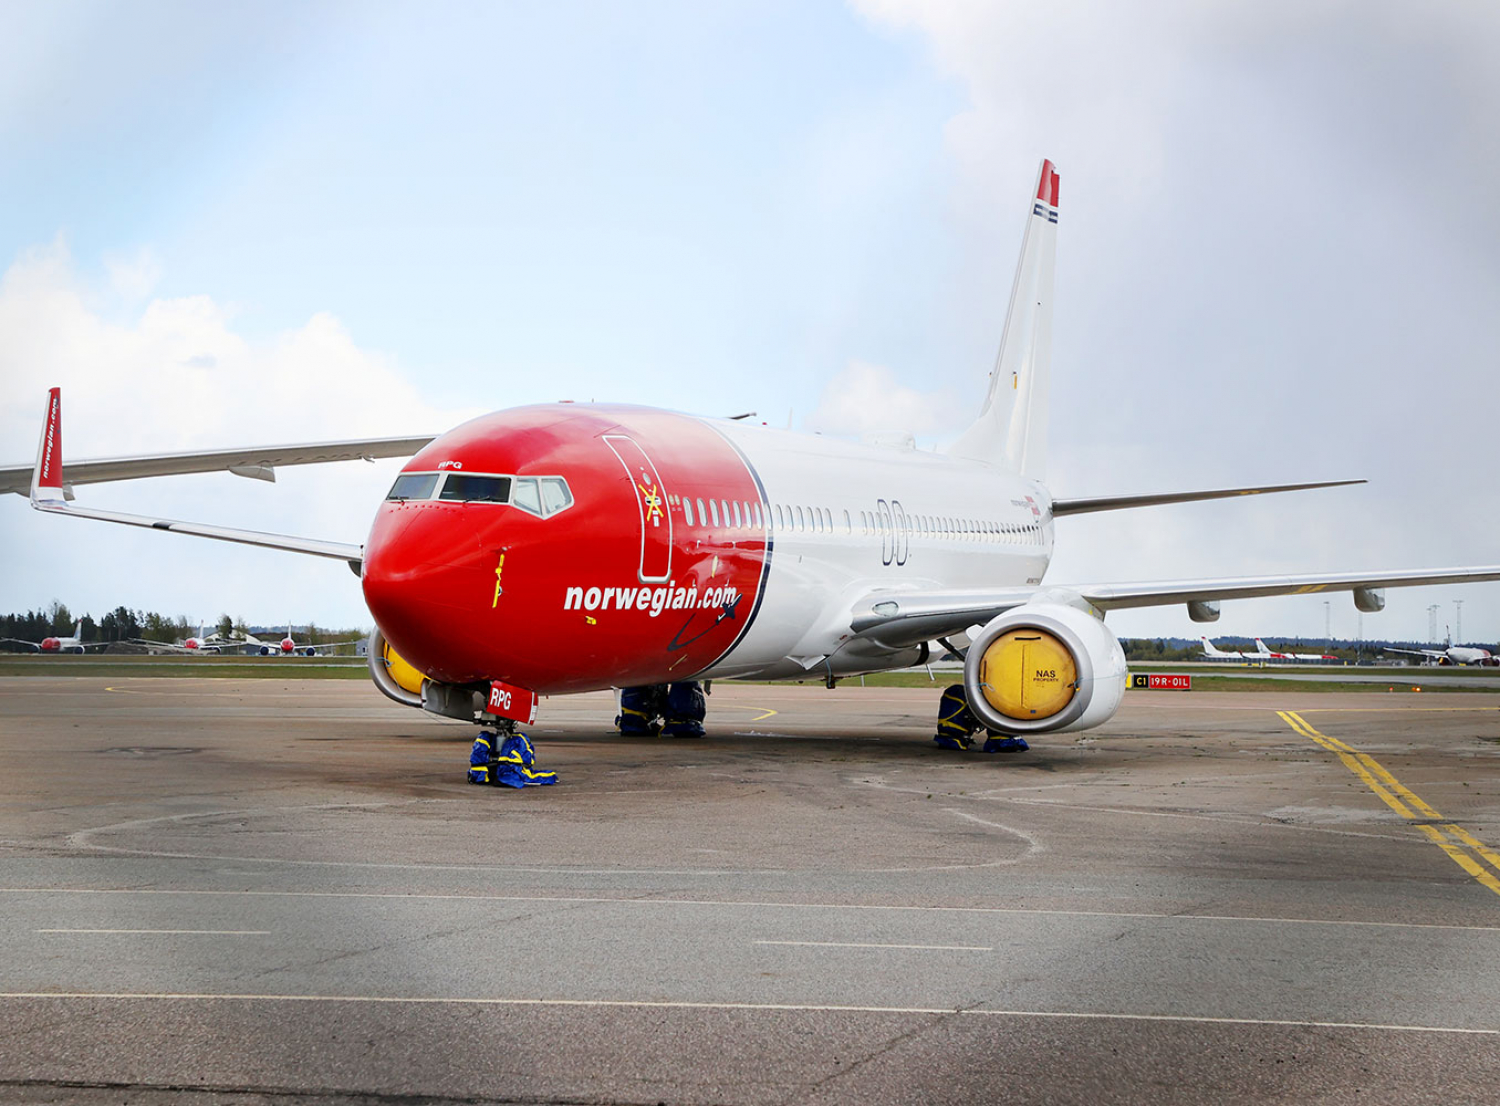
[1012, 429]
[1208, 648]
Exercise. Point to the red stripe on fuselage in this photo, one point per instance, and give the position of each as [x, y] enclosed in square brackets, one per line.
[567, 608]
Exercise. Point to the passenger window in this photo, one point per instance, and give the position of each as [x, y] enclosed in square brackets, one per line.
[702, 514]
[524, 495]
[413, 485]
[714, 508]
[800, 524]
[848, 523]
[736, 508]
[555, 494]
[780, 522]
[724, 510]
[687, 511]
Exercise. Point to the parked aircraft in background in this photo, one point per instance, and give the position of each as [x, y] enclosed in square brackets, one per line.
[288, 646]
[1313, 656]
[72, 644]
[574, 547]
[1214, 654]
[1264, 653]
[1452, 654]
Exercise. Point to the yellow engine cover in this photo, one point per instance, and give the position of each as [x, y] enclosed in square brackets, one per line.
[406, 677]
[1026, 674]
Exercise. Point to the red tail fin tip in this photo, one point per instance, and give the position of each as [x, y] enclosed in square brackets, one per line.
[1046, 188]
[49, 462]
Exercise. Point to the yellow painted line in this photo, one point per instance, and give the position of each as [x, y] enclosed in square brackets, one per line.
[1367, 768]
[1474, 843]
[1350, 761]
[1461, 858]
[765, 712]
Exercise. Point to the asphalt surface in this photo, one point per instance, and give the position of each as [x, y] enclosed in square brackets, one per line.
[262, 891]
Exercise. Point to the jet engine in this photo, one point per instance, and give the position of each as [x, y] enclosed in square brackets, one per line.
[399, 680]
[393, 676]
[1043, 667]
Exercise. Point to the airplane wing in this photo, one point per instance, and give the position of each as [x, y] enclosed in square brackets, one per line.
[256, 462]
[1066, 506]
[27, 646]
[902, 618]
[1415, 652]
[48, 494]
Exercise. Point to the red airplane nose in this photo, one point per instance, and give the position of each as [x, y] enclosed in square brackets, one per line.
[430, 584]
[50, 645]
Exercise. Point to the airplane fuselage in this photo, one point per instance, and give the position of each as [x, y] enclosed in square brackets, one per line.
[657, 546]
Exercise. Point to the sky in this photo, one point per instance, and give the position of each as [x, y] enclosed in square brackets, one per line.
[1278, 261]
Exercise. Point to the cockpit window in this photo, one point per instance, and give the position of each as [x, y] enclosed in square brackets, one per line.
[465, 487]
[413, 485]
[525, 495]
[555, 494]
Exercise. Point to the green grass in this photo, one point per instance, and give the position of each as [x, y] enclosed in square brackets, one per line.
[224, 668]
[353, 668]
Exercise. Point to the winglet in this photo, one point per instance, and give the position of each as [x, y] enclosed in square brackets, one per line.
[47, 477]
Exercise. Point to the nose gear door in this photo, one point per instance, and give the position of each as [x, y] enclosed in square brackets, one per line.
[651, 504]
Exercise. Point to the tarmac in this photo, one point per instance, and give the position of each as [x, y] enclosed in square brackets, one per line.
[254, 891]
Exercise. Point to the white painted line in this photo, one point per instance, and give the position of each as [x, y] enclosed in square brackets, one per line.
[1017, 911]
[648, 1004]
[212, 932]
[870, 945]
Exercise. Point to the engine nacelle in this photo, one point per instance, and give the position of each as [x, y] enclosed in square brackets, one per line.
[1047, 666]
[393, 676]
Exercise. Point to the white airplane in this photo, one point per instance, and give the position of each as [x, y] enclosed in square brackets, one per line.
[1265, 653]
[288, 647]
[1306, 656]
[571, 547]
[72, 644]
[1214, 654]
[1452, 654]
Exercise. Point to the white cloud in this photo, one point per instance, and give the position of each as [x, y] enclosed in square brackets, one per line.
[865, 400]
[133, 278]
[1277, 261]
[177, 376]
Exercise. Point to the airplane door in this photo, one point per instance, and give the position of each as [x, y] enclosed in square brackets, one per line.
[651, 505]
[902, 532]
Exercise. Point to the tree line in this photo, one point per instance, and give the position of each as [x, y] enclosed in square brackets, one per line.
[124, 624]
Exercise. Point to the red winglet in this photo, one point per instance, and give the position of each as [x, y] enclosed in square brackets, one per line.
[1046, 188]
[49, 450]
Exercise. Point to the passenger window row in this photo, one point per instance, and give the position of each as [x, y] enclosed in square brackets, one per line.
[946, 528]
[729, 514]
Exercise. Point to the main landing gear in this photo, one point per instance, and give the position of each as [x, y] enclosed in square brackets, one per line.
[957, 726]
[672, 710]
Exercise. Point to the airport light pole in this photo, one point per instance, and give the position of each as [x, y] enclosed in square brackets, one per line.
[1432, 623]
[1458, 621]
